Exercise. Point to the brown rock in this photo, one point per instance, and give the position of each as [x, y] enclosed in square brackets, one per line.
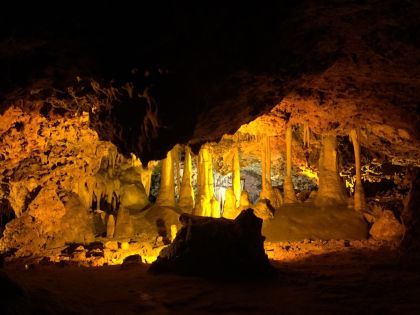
[387, 228]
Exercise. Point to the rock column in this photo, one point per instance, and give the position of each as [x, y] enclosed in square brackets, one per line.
[289, 192]
[359, 193]
[331, 191]
[186, 196]
[166, 195]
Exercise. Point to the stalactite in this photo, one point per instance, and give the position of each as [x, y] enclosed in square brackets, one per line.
[166, 195]
[205, 184]
[265, 169]
[175, 154]
[236, 176]
[331, 190]
[306, 135]
[359, 194]
[289, 192]
[186, 196]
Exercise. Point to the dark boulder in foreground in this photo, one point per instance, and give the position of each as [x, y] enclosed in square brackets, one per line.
[216, 247]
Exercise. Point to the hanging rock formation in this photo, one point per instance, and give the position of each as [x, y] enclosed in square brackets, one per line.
[289, 192]
[166, 195]
[207, 204]
[359, 193]
[267, 192]
[186, 195]
[236, 176]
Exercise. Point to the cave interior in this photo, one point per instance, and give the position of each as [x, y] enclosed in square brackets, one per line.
[196, 158]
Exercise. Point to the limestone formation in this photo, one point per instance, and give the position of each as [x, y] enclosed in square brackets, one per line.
[236, 176]
[166, 195]
[186, 196]
[209, 246]
[229, 207]
[359, 193]
[205, 206]
[387, 228]
[146, 176]
[330, 191]
[110, 226]
[266, 188]
[289, 192]
[123, 226]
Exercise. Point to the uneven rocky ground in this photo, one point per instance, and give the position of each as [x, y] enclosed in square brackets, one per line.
[354, 279]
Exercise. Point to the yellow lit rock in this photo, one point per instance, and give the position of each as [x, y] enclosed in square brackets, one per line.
[331, 190]
[186, 196]
[236, 176]
[289, 192]
[166, 195]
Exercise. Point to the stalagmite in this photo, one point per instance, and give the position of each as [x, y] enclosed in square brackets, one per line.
[205, 206]
[289, 192]
[174, 231]
[359, 193]
[166, 195]
[123, 226]
[331, 190]
[110, 226]
[229, 208]
[236, 176]
[186, 196]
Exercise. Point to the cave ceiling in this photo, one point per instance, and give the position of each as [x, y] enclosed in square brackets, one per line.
[158, 75]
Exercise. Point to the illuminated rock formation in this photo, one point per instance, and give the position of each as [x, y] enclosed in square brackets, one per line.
[306, 135]
[267, 192]
[186, 195]
[166, 195]
[289, 192]
[110, 226]
[206, 205]
[359, 193]
[244, 200]
[229, 207]
[146, 176]
[209, 246]
[236, 176]
[123, 226]
[266, 188]
[330, 191]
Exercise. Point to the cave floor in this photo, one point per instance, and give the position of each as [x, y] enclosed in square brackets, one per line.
[347, 282]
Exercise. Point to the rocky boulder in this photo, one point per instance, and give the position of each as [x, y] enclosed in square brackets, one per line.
[387, 228]
[216, 247]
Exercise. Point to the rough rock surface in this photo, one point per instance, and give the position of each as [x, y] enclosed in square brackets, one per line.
[387, 228]
[210, 247]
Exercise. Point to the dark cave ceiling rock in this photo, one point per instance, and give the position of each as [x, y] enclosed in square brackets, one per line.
[202, 72]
